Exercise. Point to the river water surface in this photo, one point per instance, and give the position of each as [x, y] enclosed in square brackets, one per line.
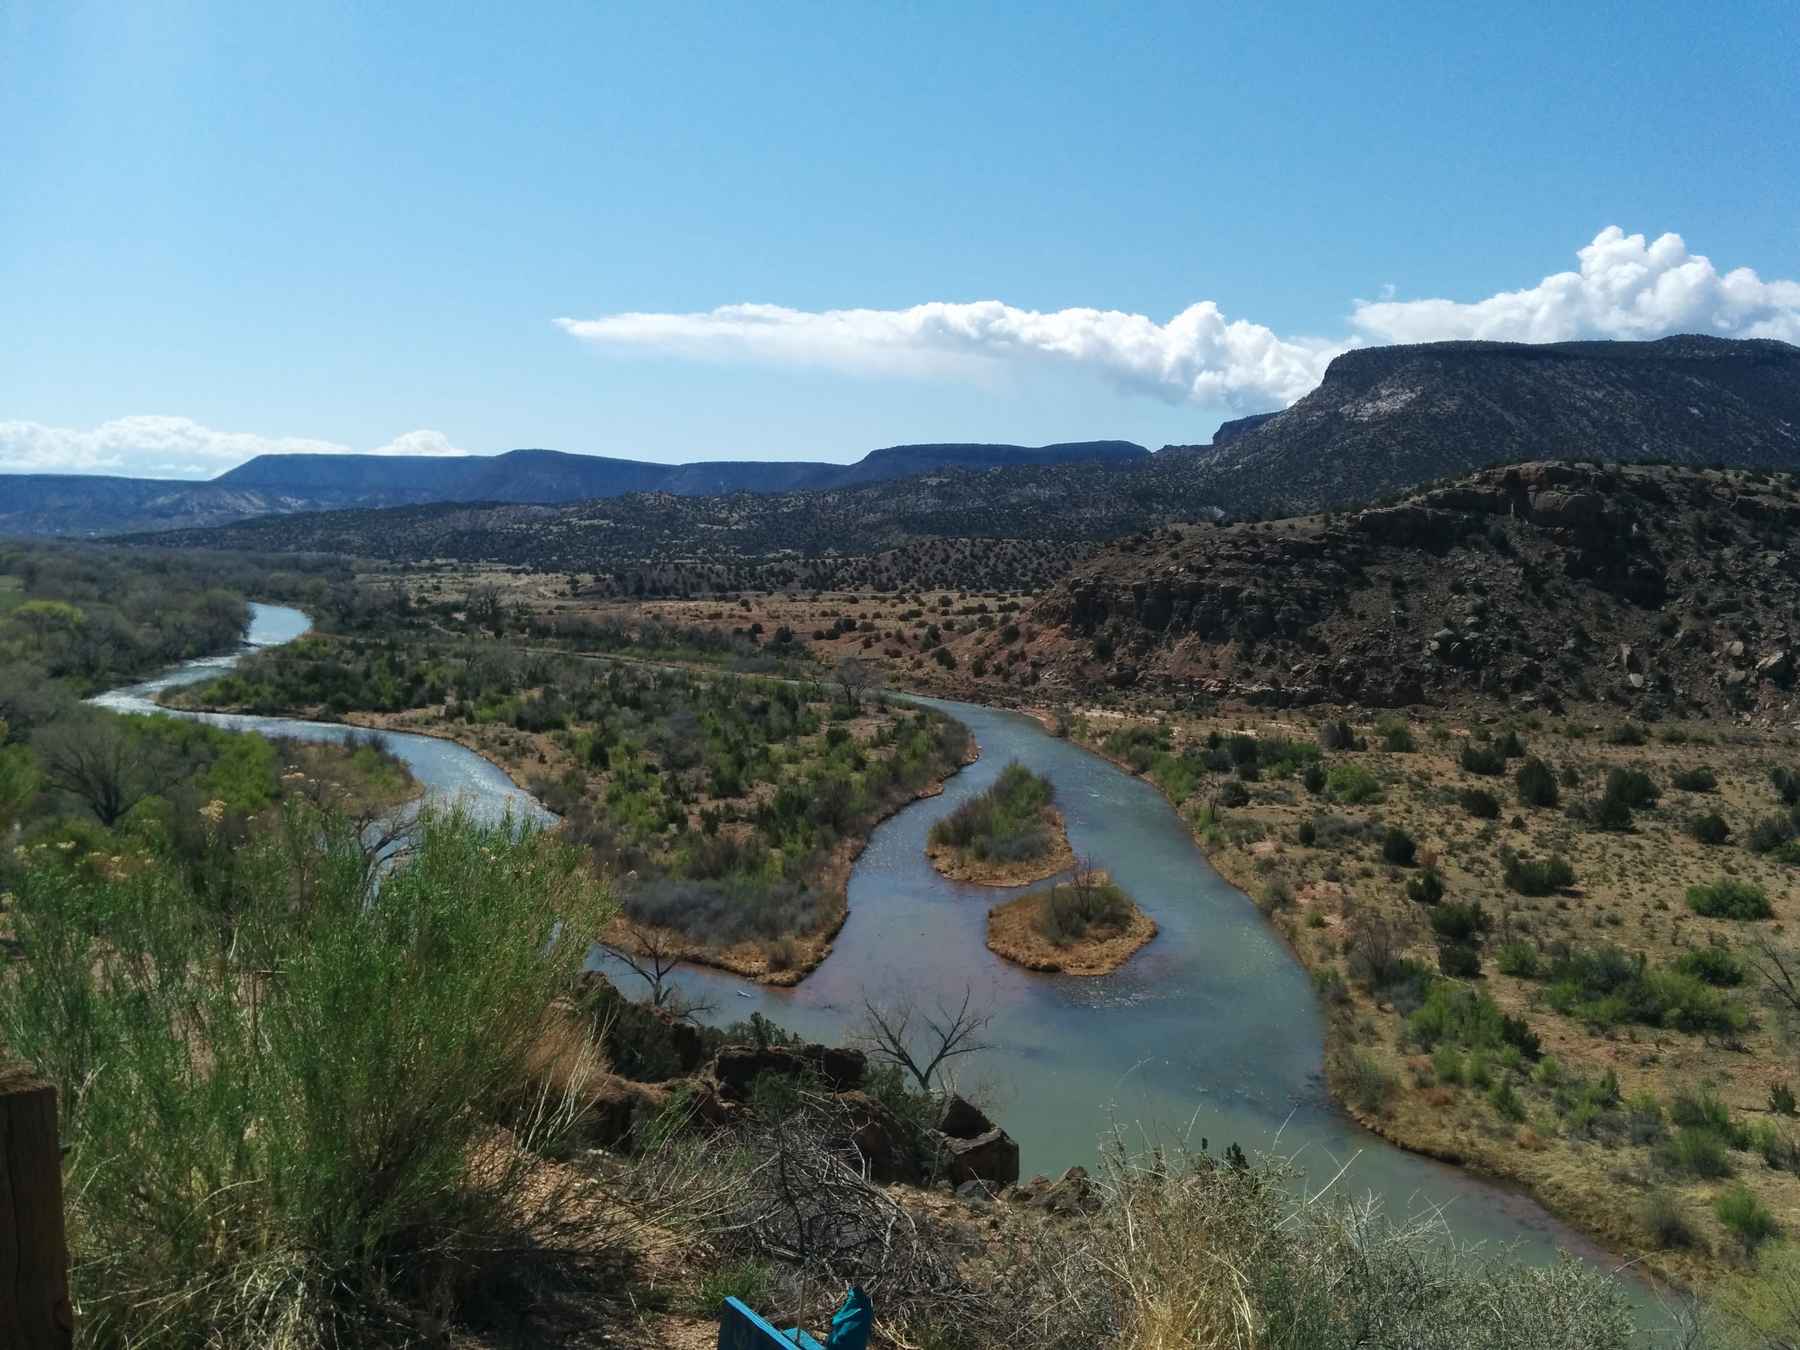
[1211, 1031]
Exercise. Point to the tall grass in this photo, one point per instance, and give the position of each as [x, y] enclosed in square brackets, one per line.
[283, 1129]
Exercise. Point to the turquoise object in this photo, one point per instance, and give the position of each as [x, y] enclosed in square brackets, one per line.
[741, 1328]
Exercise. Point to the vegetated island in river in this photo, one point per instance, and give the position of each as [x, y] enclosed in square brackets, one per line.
[1083, 926]
[1008, 836]
[729, 809]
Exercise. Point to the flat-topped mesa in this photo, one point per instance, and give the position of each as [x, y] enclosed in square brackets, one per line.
[1386, 418]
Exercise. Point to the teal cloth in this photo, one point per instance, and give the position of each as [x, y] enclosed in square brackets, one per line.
[850, 1325]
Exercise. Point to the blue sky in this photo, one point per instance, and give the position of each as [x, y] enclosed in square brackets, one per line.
[228, 228]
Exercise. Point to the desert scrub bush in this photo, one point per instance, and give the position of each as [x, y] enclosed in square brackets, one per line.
[1634, 787]
[1003, 824]
[1770, 834]
[1395, 735]
[283, 1124]
[1366, 1082]
[1715, 965]
[1398, 847]
[1729, 898]
[1518, 958]
[1463, 1016]
[1536, 784]
[1747, 1218]
[1138, 746]
[1456, 921]
[1710, 829]
[1530, 876]
[1697, 779]
[1485, 760]
[1427, 888]
[1352, 784]
[1693, 1150]
[1480, 803]
[1665, 1222]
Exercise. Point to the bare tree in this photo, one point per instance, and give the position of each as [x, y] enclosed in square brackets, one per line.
[96, 758]
[856, 678]
[919, 1043]
[1780, 969]
[653, 954]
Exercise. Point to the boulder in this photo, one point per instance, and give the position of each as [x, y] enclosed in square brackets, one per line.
[962, 1119]
[992, 1157]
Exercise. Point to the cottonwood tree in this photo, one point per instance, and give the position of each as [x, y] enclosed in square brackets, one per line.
[920, 1043]
[97, 759]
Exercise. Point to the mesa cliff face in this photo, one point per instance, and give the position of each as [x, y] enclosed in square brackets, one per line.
[1659, 588]
[1385, 419]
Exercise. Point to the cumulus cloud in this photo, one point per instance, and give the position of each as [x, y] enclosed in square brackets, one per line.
[1626, 287]
[171, 447]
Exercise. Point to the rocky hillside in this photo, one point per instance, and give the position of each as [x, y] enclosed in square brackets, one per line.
[1387, 418]
[1661, 589]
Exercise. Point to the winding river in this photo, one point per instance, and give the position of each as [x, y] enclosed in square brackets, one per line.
[1211, 1031]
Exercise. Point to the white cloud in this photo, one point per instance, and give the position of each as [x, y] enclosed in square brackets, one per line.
[1625, 288]
[170, 447]
[1198, 356]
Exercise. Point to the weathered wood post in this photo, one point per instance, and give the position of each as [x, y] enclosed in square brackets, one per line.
[34, 1257]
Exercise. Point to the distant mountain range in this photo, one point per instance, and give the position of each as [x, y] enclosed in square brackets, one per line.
[80, 504]
[1387, 419]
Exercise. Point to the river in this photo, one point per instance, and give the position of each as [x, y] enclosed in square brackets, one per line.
[1211, 1031]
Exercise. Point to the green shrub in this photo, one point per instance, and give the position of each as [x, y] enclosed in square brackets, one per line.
[1458, 960]
[1536, 877]
[1315, 778]
[1536, 782]
[1695, 1151]
[1460, 922]
[1729, 898]
[1504, 1098]
[1627, 734]
[1781, 1099]
[1748, 1219]
[1787, 784]
[282, 1169]
[1697, 779]
[1770, 833]
[1427, 888]
[1369, 1085]
[1231, 795]
[1486, 760]
[1352, 784]
[1465, 1016]
[1480, 803]
[1518, 958]
[1606, 986]
[1396, 736]
[1306, 833]
[1447, 1064]
[1634, 787]
[1710, 829]
[1715, 965]
[1398, 847]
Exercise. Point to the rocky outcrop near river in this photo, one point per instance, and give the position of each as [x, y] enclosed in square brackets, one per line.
[1658, 588]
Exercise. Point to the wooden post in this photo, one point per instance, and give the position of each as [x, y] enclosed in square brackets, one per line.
[34, 1257]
